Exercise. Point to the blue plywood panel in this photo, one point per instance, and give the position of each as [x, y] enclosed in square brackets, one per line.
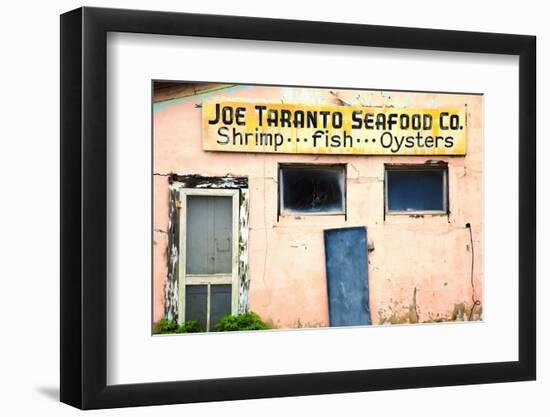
[347, 276]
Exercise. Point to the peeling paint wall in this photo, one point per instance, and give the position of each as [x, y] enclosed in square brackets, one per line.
[171, 287]
[244, 281]
[420, 267]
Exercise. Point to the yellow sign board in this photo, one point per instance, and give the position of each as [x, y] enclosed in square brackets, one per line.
[333, 130]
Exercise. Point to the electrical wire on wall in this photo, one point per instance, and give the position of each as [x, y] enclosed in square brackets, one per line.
[475, 301]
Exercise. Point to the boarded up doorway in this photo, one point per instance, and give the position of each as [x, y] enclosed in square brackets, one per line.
[347, 276]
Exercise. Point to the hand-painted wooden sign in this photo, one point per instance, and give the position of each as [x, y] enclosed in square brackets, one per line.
[304, 129]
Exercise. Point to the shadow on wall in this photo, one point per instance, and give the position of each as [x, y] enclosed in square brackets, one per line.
[49, 392]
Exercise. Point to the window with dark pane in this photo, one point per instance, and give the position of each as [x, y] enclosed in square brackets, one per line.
[312, 189]
[416, 189]
[196, 304]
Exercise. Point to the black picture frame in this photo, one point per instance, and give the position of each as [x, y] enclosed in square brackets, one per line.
[84, 207]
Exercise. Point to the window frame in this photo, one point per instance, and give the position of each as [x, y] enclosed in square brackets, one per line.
[282, 211]
[207, 279]
[417, 167]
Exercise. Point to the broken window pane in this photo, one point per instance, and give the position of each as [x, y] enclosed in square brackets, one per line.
[313, 189]
[416, 189]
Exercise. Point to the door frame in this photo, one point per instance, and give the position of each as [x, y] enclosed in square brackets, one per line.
[208, 280]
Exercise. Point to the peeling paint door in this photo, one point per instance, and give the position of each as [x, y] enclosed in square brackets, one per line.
[347, 276]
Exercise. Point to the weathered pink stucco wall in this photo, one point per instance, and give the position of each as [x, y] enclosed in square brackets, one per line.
[419, 269]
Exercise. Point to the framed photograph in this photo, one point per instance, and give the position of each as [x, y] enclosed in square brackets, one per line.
[256, 208]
